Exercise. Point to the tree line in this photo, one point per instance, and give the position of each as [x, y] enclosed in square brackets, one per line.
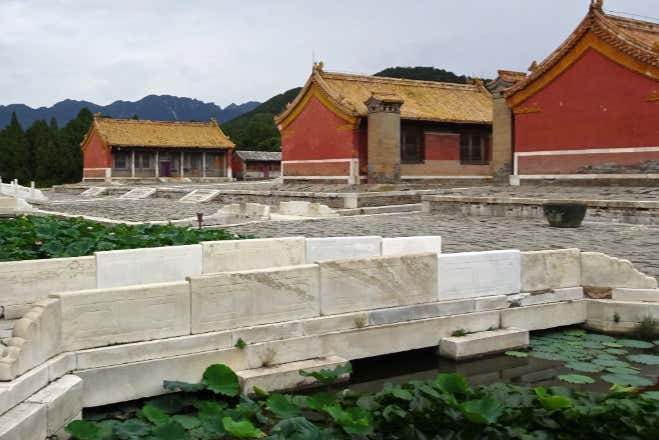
[44, 153]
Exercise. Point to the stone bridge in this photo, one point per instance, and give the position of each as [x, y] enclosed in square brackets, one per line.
[111, 327]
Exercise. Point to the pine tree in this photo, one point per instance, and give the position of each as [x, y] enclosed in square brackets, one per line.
[69, 139]
[14, 152]
[48, 164]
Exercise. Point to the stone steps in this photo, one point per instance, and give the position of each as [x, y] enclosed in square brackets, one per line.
[199, 196]
[138, 193]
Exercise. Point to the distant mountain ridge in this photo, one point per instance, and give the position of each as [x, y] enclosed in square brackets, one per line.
[157, 107]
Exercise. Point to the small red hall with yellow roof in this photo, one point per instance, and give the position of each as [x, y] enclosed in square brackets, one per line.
[359, 128]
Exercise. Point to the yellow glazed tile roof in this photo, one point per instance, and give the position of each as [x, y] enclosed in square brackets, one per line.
[144, 133]
[422, 100]
[633, 43]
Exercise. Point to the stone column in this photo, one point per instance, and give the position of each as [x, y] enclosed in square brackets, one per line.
[132, 163]
[502, 138]
[157, 164]
[383, 138]
[181, 165]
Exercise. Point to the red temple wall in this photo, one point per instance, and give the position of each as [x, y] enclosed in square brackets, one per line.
[317, 133]
[595, 103]
[95, 154]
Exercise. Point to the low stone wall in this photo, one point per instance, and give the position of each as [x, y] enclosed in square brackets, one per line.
[123, 342]
[609, 211]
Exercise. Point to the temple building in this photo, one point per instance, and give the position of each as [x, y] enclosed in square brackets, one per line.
[590, 109]
[141, 149]
[254, 165]
[356, 128]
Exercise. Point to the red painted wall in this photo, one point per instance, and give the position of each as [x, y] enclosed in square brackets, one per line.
[595, 103]
[442, 146]
[316, 134]
[95, 155]
[237, 164]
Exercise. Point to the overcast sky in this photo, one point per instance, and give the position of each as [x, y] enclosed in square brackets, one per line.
[239, 50]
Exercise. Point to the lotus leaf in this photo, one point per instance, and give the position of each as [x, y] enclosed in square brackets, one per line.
[635, 343]
[221, 380]
[646, 359]
[612, 344]
[616, 351]
[622, 370]
[576, 378]
[628, 379]
[610, 363]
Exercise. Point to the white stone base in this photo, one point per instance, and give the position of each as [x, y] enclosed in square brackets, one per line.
[645, 295]
[287, 376]
[26, 421]
[483, 343]
[545, 316]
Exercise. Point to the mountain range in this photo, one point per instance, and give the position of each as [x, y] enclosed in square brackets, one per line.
[157, 107]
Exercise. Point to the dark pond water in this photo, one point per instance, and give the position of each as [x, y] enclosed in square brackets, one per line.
[602, 360]
[553, 354]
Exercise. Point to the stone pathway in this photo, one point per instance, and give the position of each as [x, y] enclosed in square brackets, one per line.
[560, 191]
[142, 210]
[640, 244]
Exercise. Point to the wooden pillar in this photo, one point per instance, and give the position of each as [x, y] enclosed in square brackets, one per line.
[132, 163]
[203, 164]
[181, 165]
[157, 164]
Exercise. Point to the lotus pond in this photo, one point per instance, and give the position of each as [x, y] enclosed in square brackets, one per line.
[570, 384]
[34, 237]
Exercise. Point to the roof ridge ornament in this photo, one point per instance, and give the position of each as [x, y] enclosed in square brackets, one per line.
[318, 67]
[533, 66]
[597, 4]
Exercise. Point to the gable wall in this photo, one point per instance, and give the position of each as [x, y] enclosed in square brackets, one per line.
[95, 154]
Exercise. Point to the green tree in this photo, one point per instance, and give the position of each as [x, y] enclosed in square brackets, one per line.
[256, 130]
[48, 162]
[14, 152]
[69, 139]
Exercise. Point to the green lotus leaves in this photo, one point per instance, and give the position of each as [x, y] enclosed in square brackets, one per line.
[628, 380]
[622, 370]
[241, 429]
[585, 367]
[635, 343]
[612, 344]
[547, 355]
[616, 351]
[221, 380]
[646, 359]
[576, 378]
[610, 363]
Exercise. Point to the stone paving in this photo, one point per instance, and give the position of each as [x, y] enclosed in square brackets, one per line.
[640, 244]
[548, 191]
[142, 210]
